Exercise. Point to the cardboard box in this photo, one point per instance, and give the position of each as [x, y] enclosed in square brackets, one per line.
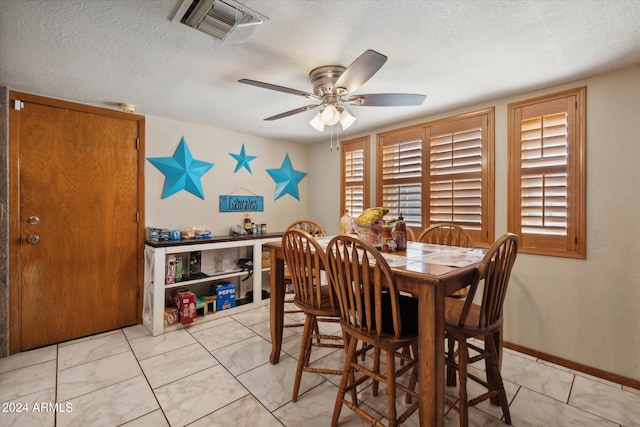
[210, 303]
[225, 296]
[170, 316]
[186, 302]
[266, 259]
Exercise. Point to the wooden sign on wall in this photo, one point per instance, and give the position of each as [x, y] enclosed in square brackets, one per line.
[241, 203]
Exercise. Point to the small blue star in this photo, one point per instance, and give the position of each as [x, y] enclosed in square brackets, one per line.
[243, 160]
[181, 171]
[286, 179]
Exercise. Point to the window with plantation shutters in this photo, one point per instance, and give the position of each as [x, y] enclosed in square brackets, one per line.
[440, 172]
[354, 188]
[456, 176]
[547, 174]
[400, 174]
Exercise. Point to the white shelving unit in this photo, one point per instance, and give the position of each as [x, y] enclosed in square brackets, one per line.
[155, 260]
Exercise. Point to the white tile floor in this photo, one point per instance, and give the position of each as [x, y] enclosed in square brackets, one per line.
[217, 374]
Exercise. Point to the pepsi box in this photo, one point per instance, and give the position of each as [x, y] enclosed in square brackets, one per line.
[225, 296]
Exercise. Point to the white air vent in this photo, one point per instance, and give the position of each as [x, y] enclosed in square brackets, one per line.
[220, 18]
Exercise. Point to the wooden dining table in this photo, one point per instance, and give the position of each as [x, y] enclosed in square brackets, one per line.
[429, 273]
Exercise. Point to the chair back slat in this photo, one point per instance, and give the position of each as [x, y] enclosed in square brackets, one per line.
[446, 234]
[306, 261]
[360, 276]
[495, 268]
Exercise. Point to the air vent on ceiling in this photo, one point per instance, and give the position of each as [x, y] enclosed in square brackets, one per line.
[223, 19]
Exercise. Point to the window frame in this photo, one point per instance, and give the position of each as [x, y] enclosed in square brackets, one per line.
[485, 235]
[362, 143]
[573, 245]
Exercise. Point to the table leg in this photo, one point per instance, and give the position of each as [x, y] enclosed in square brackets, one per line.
[431, 355]
[276, 300]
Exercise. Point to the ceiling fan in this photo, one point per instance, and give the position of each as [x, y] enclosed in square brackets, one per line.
[333, 86]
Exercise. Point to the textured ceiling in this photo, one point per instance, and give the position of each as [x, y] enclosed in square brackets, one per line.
[105, 52]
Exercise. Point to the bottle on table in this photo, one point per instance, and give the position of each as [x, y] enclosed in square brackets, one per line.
[401, 234]
[346, 223]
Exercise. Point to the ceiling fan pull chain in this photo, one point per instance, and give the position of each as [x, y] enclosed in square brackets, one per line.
[331, 138]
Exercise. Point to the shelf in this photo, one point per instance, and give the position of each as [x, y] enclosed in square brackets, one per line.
[155, 288]
[212, 278]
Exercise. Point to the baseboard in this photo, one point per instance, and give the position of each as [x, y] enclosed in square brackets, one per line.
[618, 379]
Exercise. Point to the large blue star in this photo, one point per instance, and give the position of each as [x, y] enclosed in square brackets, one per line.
[286, 179]
[181, 171]
[243, 160]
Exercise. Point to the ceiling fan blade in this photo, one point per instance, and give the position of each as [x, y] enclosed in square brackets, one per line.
[386, 100]
[292, 112]
[279, 88]
[361, 70]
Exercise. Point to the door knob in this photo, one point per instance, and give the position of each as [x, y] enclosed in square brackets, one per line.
[33, 238]
[33, 220]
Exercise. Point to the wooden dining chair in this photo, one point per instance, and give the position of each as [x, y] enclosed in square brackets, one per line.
[448, 234]
[307, 262]
[315, 230]
[372, 311]
[309, 226]
[464, 320]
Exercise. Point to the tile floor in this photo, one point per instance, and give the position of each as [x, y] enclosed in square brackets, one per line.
[217, 373]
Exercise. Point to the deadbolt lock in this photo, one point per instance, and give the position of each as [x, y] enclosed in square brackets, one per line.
[33, 238]
[33, 220]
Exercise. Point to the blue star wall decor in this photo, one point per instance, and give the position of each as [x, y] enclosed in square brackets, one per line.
[182, 171]
[286, 179]
[243, 160]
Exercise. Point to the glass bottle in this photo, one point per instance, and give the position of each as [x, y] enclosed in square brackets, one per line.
[247, 223]
[346, 223]
[401, 234]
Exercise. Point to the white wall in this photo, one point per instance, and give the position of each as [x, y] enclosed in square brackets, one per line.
[585, 311]
[324, 184]
[184, 210]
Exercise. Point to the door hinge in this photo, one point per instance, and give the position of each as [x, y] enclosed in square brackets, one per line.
[137, 217]
[137, 143]
[18, 105]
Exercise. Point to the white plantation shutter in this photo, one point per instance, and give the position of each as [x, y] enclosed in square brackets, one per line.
[400, 165]
[546, 188]
[355, 176]
[543, 181]
[455, 169]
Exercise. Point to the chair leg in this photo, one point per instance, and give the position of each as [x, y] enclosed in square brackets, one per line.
[496, 383]
[305, 353]
[414, 374]
[497, 339]
[346, 375]
[463, 356]
[391, 388]
[406, 353]
[451, 359]
[352, 377]
[376, 368]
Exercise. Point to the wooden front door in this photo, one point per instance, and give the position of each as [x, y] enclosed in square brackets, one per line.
[76, 180]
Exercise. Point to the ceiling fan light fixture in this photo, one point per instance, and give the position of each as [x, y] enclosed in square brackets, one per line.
[346, 119]
[330, 115]
[317, 123]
